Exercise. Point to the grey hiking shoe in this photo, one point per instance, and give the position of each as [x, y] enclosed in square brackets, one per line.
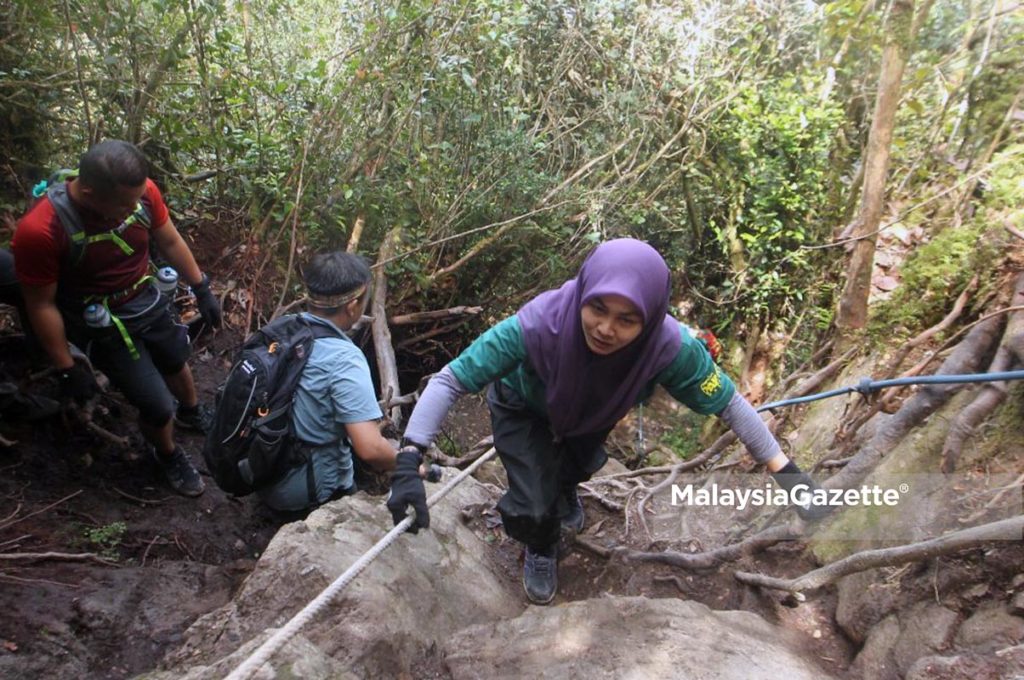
[198, 418]
[575, 519]
[540, 574]
[180, 473]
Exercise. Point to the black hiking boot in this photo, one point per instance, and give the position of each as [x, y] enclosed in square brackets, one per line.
[575, 519]
[540, 573]
[199, 418]
[180, 473]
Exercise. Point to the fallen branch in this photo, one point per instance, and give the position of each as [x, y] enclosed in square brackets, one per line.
[440, 330]
[887, 557]
[200, 176]
[7, 443]
[420, 317]
[11, 523]
[143, 501]
[712, 558]
[16, 579]
[57, 556]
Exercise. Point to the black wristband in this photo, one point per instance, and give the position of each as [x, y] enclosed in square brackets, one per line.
[408, 443]
[204, 282]
[791, 468]
[414, 450]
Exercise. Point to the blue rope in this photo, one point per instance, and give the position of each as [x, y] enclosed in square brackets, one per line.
[866, 386]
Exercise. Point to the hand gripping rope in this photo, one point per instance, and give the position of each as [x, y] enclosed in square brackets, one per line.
[277, 640]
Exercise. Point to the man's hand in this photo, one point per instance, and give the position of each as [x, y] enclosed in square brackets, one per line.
[77, 382]
[791, 478]
[407, 489]
[207, 302]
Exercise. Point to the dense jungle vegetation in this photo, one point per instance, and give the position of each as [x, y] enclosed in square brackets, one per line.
[482, 147]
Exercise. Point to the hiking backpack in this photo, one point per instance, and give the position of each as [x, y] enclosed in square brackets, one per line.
[252, 443]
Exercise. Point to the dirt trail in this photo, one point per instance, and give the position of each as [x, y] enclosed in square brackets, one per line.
[63, 490]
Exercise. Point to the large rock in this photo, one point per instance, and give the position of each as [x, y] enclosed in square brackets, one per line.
[1004, 664]
[875, 660]
[990, 628]
[925, 628]
[628, 637]
[895, 644]
[418, 592]
[864, 600]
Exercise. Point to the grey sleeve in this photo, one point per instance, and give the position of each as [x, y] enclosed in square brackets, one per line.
[742, 419]
[442, 391]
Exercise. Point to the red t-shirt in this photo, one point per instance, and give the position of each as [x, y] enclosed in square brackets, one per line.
[40, 247]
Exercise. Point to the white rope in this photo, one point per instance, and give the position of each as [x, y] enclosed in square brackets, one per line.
[277, 640]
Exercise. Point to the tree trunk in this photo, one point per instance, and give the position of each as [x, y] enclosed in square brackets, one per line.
[385, 352]
[853, 305]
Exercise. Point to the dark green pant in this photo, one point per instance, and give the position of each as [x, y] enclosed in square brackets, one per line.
[539, 467]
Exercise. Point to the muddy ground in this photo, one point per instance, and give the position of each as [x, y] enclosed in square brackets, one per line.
[157, 561]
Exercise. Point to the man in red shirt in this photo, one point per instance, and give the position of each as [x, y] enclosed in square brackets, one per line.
[83, 250]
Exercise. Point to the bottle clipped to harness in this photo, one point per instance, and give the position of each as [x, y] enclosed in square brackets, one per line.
[166, 280]
[96, 316]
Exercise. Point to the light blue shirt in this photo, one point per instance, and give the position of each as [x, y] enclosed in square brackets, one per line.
[335, 389]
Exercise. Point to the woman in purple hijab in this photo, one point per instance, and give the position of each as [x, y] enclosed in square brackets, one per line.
[561, 373]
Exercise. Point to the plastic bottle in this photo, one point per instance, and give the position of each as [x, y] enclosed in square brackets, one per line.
[166, 280]
[96, 316]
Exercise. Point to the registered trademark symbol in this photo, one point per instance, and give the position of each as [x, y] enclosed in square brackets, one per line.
[904, 487]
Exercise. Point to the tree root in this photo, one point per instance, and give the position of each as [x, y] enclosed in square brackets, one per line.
[479, 449]
[1009, 355]
[964, 359]
[868, 408]
[871, 559]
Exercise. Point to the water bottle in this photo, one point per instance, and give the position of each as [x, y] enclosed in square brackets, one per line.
[166, 280]
[96, 316]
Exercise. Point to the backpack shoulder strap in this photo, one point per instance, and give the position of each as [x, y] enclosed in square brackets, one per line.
[323, 331]
[69, 219]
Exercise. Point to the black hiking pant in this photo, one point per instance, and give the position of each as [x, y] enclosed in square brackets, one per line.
[539, 467]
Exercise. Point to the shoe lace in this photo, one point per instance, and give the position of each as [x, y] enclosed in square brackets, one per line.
[539, 564]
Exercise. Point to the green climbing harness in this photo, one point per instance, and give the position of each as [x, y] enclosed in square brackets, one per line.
[55, 189]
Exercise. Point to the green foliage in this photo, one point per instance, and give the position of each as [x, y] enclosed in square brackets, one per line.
[943, 265]
[684, 437]
[106, 539]
[703, 129]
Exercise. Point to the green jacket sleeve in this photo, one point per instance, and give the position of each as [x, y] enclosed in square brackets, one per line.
[491, 356]
[695, 380]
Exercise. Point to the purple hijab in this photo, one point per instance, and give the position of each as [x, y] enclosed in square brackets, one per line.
[588, 392]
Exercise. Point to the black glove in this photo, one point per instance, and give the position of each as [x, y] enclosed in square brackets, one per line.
[791, 477]
[207, 302]
[407, 489]
[78, 383]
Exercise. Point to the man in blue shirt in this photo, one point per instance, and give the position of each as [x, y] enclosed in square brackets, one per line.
[335, 410]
